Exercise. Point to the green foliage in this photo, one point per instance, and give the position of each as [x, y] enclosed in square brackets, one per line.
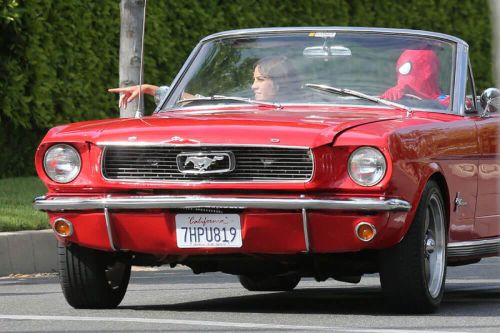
[17, 149]
[59, 57]
[16, 210]
[9, 11]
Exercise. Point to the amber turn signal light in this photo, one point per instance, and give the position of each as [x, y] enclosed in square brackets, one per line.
[63, 227]
[365, 231]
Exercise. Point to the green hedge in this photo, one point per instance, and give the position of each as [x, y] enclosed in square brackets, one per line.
[59, 57]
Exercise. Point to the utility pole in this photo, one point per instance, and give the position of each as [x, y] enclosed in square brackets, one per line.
[131, 26]
[495, 20]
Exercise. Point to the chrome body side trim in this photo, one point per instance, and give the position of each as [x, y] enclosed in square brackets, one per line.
[474, 248]
[172, 202]
[306, 229]
[109, 229]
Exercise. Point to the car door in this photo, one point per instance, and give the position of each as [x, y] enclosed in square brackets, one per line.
[487, 221]
[488, 197]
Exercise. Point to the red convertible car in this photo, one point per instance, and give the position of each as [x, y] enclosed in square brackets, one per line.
[284, 153]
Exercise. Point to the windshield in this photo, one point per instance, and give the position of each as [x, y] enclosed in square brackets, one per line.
[285, 69]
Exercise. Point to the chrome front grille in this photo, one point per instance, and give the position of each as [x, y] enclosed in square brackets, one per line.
[159, 163]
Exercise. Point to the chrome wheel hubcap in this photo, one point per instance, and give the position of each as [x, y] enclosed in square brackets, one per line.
[434, 245]
[430, 246]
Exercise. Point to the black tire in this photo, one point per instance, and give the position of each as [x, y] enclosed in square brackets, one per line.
[412, 273]
[269, 283]
[91, 279]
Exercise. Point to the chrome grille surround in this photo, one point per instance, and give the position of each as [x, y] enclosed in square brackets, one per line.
[158, 163]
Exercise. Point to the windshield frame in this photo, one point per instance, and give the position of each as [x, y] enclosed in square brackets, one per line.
[459, 61]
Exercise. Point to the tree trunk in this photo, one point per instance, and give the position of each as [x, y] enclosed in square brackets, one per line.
[131, 18]
[495, 21]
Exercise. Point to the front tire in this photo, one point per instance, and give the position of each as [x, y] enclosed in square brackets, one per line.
[412, 273]
[92, 279]
[269, 283]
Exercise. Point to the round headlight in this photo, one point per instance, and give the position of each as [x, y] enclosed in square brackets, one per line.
[367, 166]
[62, 163]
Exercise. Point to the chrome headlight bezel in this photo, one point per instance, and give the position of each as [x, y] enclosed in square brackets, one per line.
[62, 153]
[367, 157]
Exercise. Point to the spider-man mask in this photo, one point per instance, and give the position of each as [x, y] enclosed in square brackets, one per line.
[417, 74]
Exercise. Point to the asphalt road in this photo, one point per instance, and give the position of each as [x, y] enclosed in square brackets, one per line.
[176, 300]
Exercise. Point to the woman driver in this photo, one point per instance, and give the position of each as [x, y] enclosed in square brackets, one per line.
[274, 77]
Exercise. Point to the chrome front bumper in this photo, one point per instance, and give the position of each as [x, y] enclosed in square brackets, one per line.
[171, 202]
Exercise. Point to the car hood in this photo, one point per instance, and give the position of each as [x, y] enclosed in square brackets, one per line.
[298, 128]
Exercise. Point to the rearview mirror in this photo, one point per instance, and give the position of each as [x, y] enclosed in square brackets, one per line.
[326, 51]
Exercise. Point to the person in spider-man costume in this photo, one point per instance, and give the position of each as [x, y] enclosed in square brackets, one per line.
[418, 75]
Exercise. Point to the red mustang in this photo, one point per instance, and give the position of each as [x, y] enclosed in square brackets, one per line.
[285, 153]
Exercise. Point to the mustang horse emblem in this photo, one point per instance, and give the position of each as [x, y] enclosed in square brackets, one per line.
[202, 163]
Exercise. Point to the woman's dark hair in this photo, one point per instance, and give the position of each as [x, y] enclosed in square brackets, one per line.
[281, 71]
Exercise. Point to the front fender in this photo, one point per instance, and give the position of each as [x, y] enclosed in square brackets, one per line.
[416, 175]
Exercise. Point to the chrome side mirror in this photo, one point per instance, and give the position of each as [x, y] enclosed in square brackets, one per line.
[490, 100]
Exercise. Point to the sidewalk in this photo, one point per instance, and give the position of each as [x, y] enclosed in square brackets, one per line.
[28, 252]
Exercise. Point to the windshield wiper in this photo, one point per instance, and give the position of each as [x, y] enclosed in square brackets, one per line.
[231, 98]
[349, 92]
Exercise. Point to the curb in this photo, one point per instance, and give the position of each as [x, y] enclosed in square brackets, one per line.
[28, 252]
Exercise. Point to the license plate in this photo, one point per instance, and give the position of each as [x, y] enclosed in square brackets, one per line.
[208, 230]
